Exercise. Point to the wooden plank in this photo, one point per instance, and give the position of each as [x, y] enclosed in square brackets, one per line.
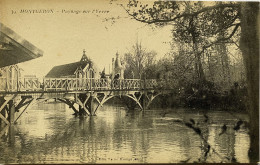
[55, 84]
[52, 84]
[4, 119]
[86, 99]
[21, 85]
[4, 104]
[29, 102]
[35, 83]
[20, 103]
[83, 106]
[63, 84]
[23, 104]
[58, 82]
[71, 105]
[98, 99]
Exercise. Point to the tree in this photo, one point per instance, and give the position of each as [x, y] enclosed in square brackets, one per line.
[181, 64]
[234, 15]
[138, 60]
[201, 31]
[249, 43]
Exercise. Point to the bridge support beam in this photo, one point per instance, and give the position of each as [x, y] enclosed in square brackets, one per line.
[26, 104]
[8, 108]
[3, 114]
[137, 98]
[91, 105]
[148, 99]
[11, 112]
[144, 101]
[86, 104]
[82, 112]
[130, 104]
[70, 104]
[6, 104]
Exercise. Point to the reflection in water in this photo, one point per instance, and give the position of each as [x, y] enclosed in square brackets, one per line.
[48, 133]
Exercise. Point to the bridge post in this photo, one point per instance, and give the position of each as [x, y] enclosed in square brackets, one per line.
[143, 101]
[86, 104]
[144, 104]
[82, 111]
[11, 136]
[91, 105]
[11, 111]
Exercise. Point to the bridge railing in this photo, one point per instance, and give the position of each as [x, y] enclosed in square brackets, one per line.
[127, 84]
[72, 84]
[29, 84]
[156, 83]
[91, 84]
[62, 84]
[20, 84]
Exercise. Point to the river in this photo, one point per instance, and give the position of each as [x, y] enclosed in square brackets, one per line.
[49, 133]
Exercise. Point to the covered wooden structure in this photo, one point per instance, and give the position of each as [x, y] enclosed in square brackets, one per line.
[14, 49]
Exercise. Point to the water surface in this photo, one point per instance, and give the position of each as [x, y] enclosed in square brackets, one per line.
[49, 133]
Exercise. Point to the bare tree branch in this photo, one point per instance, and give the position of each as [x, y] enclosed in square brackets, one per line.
[179, 15]
[221, 39]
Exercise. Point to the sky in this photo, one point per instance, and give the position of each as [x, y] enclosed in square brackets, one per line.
[62, 34]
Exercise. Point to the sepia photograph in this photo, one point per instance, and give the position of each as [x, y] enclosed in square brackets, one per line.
[129, 82]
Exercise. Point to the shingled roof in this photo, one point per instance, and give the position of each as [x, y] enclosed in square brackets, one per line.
[65, 70]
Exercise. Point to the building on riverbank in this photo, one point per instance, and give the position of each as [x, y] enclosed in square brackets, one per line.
[85, 68]
[117, 68]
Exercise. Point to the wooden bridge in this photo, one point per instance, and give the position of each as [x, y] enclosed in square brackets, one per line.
[17, 94]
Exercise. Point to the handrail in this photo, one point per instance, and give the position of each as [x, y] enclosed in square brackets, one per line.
[78, 84]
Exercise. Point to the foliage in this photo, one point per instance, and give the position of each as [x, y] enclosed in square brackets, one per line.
[139, 62]
[196, 24]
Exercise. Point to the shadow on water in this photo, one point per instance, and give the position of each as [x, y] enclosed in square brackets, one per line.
[48, 133]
